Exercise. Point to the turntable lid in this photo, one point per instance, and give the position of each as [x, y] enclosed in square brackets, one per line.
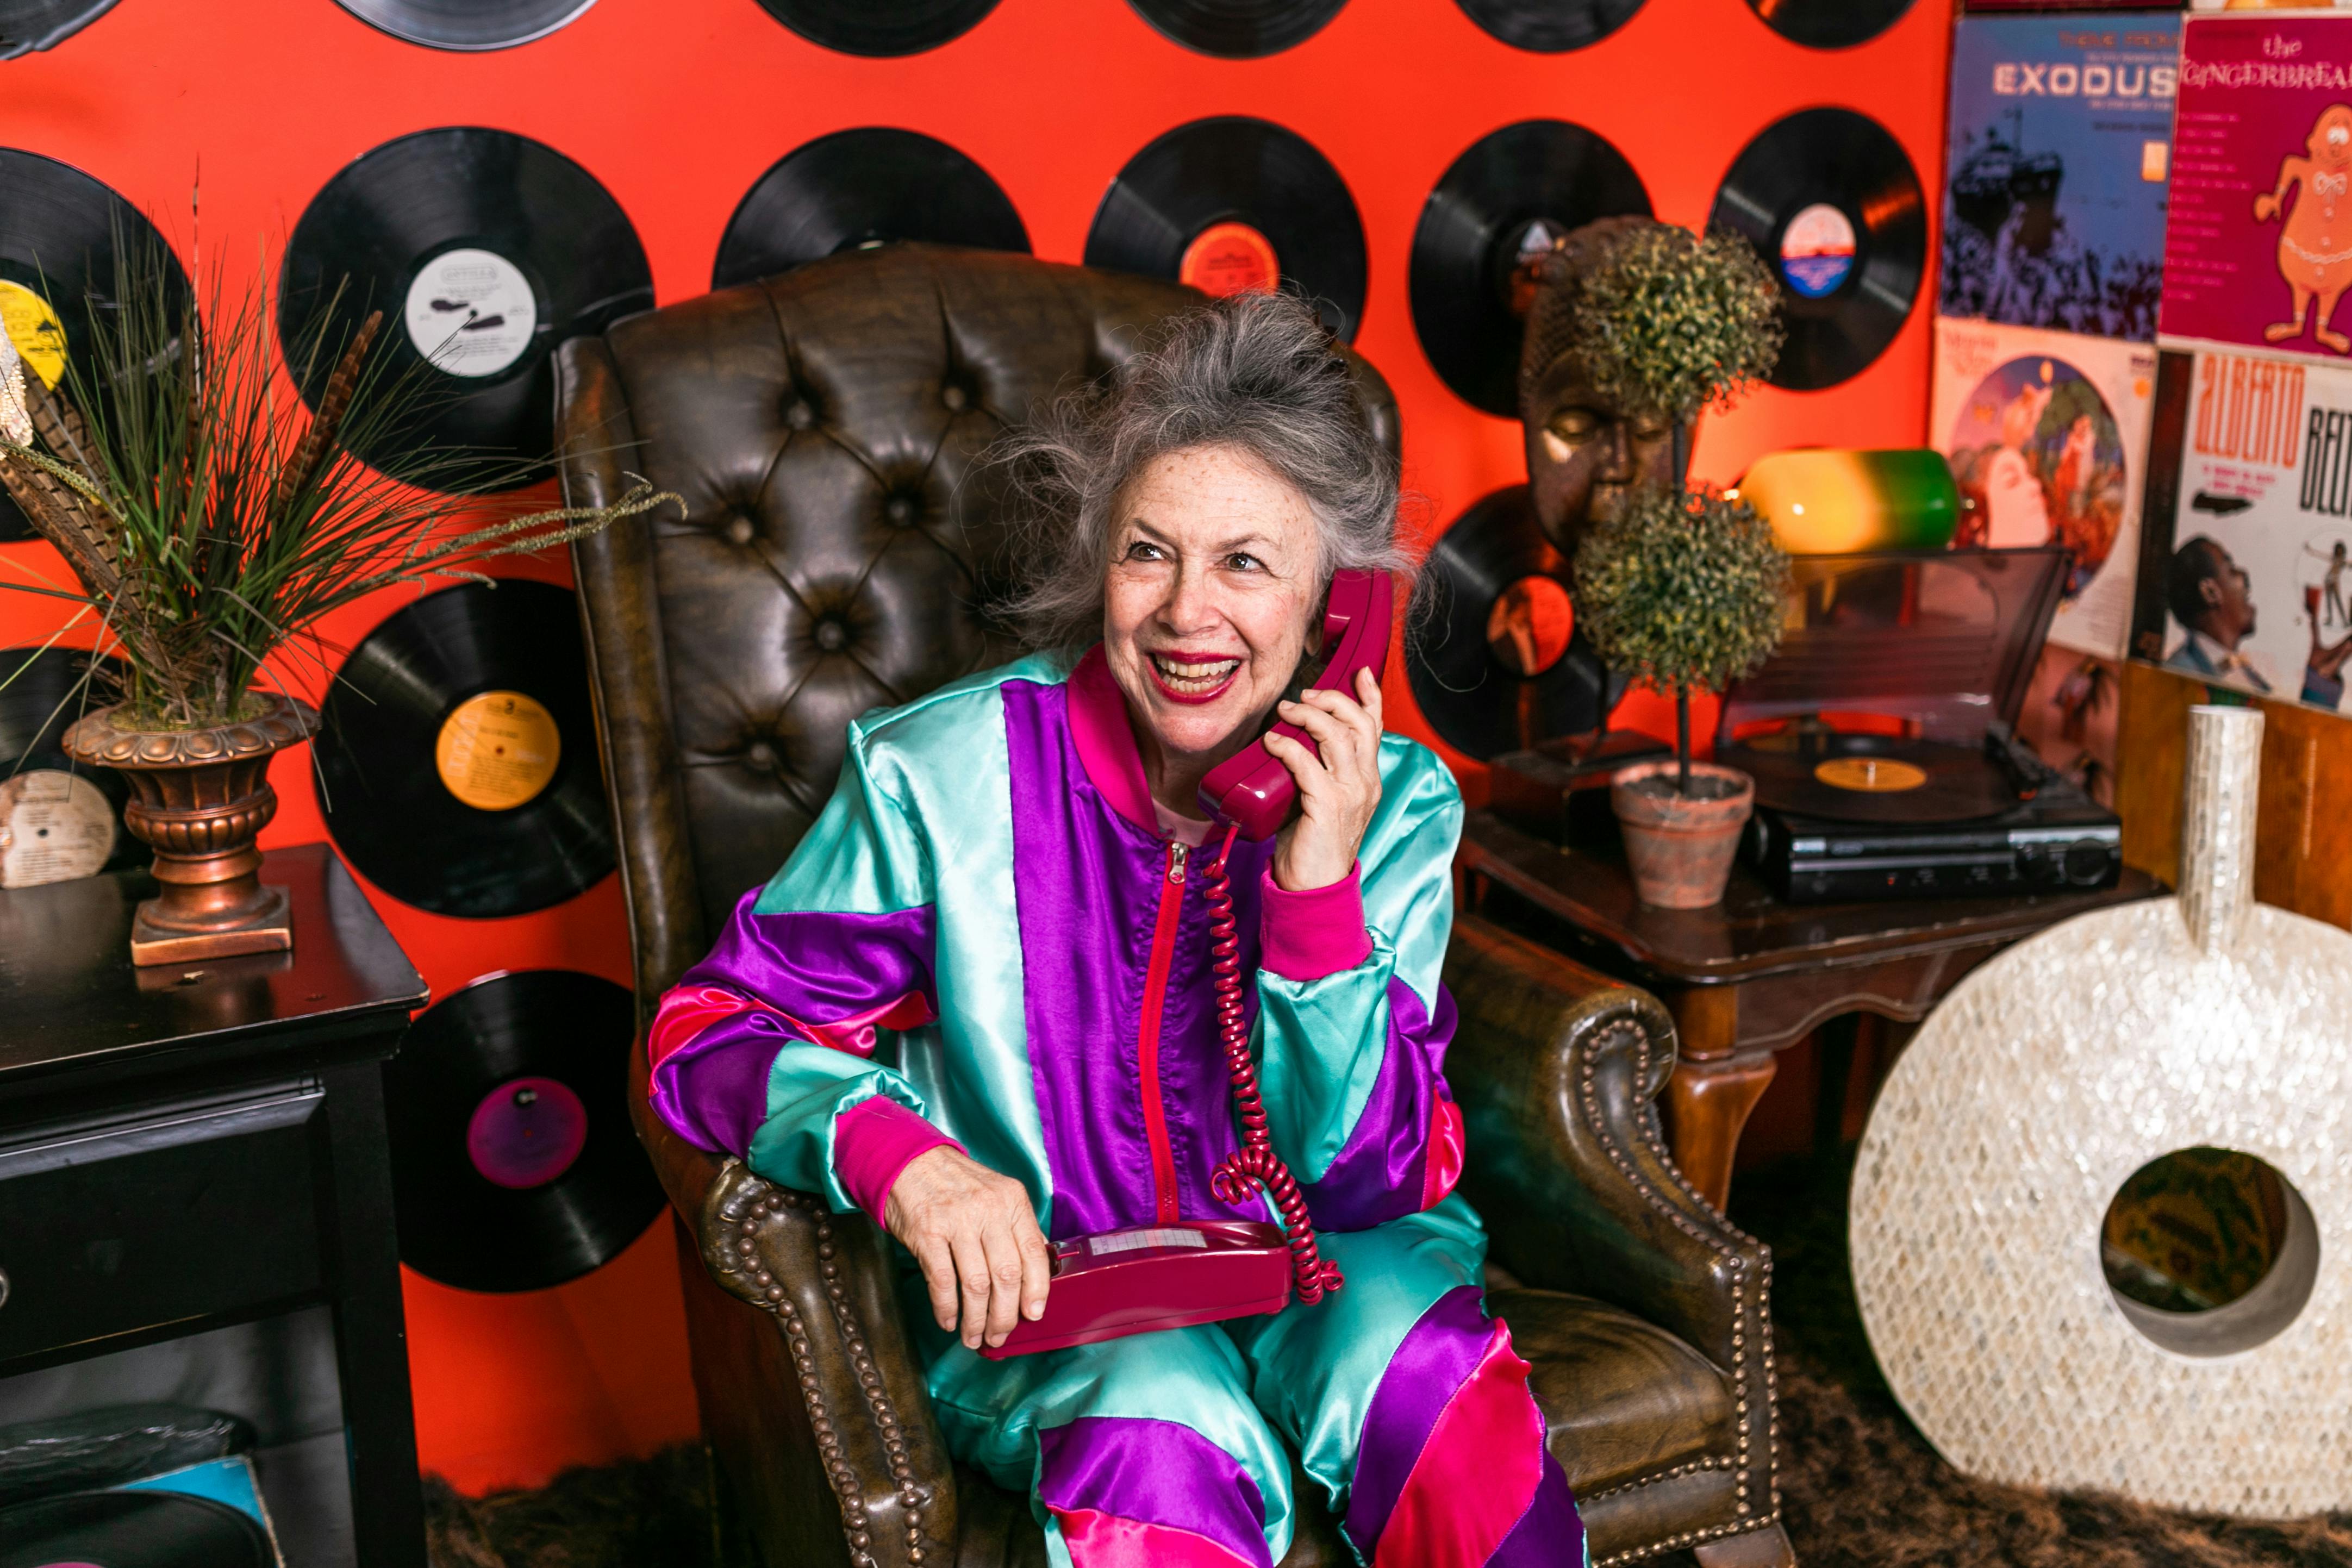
[1945, 638]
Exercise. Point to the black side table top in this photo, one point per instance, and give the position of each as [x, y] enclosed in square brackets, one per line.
[73, 1007]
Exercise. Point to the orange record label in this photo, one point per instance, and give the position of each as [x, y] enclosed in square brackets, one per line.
[1230, 258]
[1870, 775]
[498, 750]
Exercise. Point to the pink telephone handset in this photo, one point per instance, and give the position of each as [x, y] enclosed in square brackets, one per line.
[1253, 791]
[1119, 1282]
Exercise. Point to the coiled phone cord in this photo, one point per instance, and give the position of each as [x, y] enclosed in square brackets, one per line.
[1253, 1168]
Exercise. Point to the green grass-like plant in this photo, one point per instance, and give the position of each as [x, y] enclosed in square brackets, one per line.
[1684, 589]
[210, 519]
[1671, 324]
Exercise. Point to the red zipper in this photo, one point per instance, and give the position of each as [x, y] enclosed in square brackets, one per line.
[1147, 1045]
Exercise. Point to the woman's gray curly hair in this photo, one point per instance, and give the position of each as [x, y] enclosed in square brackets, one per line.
[1254, 371]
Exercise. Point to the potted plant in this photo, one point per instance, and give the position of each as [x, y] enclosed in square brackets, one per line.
[211, 524]
[1682, 589]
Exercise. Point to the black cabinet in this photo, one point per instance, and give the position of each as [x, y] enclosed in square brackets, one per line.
[191, 1147]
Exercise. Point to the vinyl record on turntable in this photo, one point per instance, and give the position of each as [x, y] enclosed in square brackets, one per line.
[1550, 26]
[1498, 208]
[467, 25]
[27, 26]
[513, 1165]
[1829, 24]
[879, 28]
[1871, 778]
[456, 758]
[58, 820]
[57, 265]
[484, 250]
[1238, 29]
[1834, 209]
[133, 1529]
[1234, 204]
[1491, 650]
[862, 187]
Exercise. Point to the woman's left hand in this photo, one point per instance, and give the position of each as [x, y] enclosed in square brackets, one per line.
[1336, 791]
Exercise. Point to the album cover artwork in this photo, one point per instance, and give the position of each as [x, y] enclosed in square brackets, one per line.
[2047, 437]
[2059, 157]
[2256, 567]
[2259, 251]
[2069, 717]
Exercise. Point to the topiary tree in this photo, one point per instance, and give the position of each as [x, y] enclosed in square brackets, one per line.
[1684, 589]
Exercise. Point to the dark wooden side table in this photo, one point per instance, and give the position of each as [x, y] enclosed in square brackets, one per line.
[193, 1146]
[1751, 975]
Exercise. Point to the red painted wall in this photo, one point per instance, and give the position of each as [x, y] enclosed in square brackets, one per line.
[677, 108]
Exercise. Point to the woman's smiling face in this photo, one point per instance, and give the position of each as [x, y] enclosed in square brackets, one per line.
[1215, 572]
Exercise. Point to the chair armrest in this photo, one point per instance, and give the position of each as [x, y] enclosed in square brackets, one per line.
[1556, 1069]
[825, 1280]
[628, 685]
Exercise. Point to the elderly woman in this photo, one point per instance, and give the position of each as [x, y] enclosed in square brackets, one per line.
[977, 1001]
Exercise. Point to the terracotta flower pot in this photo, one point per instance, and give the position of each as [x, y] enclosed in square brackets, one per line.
[1680, 846]
[199, 797]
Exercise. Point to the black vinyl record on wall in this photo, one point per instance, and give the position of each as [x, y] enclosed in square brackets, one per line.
[484, 250]
[467, 25]
[30, 24]
[879, 27]
[1830, 201]
[1550, 26]
[57, 270]
[1231, 204]
[1238, 29]
[1502, 204]
[862, 187]
[59, 818]
[456, 755]
[1830, 24]
[513, 1165]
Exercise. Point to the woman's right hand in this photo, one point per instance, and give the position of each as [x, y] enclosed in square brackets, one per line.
[983, 1256]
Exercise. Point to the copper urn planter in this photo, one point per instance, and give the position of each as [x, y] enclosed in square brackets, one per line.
[199, 800]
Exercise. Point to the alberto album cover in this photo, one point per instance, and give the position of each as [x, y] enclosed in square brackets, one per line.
[2059, 168]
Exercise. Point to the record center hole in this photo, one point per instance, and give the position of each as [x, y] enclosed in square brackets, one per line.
[2209, 1251]
[1530, 626]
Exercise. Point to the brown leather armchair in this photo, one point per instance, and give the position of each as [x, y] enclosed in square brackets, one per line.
[823, 427]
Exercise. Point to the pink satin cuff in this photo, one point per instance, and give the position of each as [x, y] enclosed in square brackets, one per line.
[873, 1142]
[1307, 935]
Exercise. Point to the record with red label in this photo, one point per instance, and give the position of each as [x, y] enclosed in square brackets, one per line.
[467, 25]
[881, 28]
[1550, 26]
[862, 187]
[513, 1163]
[136, 1528]
[1834, 207]
[484, 250]
[57, 267]
[456, 758]
[1234, 204]
[1238, 29]
[1498, 209]
[30, 24]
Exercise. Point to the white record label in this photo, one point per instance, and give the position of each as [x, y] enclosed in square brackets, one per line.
[54, 826]
[471, 312]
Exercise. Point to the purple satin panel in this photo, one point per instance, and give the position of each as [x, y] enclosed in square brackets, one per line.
[1157, 1472]
[713, 1090]
[1438, 1355]
[822, 968]
[1551, 1534]
[1378, 1175]
[1087, 883]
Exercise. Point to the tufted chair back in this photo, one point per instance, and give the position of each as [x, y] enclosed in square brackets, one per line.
[839, 543]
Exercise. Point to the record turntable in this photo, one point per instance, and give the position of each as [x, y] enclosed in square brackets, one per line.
[1879, 738]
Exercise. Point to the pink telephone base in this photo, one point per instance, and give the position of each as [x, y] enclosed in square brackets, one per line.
[1119, 1282]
